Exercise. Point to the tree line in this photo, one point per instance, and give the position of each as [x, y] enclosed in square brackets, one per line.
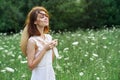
[64, 14]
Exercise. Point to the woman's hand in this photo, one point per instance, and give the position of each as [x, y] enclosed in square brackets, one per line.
[55, 42]
[51, 45]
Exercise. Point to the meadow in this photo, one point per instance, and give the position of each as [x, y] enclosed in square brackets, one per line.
[84, 55]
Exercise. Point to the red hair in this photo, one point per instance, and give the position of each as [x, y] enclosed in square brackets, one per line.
[32, 15]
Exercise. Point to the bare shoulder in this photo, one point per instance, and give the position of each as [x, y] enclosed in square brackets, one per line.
[31, 41]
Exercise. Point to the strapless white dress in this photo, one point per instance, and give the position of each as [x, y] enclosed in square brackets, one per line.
[44, 70]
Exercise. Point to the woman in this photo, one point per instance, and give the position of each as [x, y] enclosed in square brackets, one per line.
[37, 45]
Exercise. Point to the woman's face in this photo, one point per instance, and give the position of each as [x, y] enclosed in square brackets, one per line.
[42, 19]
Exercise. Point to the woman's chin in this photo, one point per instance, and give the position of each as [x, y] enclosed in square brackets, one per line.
[46, 24]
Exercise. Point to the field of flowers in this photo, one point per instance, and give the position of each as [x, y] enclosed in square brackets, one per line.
[84, 55]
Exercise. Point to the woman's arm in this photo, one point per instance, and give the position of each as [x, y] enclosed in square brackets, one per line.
[32, 61]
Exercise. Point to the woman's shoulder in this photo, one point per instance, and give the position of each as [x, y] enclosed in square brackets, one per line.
[32, 38]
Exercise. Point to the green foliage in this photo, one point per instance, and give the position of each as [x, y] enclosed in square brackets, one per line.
[65, 14]
[13, 14]
[100, 12]
[10, 16]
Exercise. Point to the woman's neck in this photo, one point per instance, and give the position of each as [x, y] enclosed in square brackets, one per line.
[41, 30]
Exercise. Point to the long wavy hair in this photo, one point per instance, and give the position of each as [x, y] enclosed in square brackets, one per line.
[30, 28]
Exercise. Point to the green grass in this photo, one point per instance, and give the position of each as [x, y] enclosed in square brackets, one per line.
[85, 55]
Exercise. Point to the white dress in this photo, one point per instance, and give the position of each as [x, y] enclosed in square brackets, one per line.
[44, 70]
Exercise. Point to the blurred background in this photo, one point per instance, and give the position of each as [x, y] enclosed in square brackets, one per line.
[64, 14]
[88, 32]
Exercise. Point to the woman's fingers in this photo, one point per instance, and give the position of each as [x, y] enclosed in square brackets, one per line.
[51, 45]
[55, 42]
